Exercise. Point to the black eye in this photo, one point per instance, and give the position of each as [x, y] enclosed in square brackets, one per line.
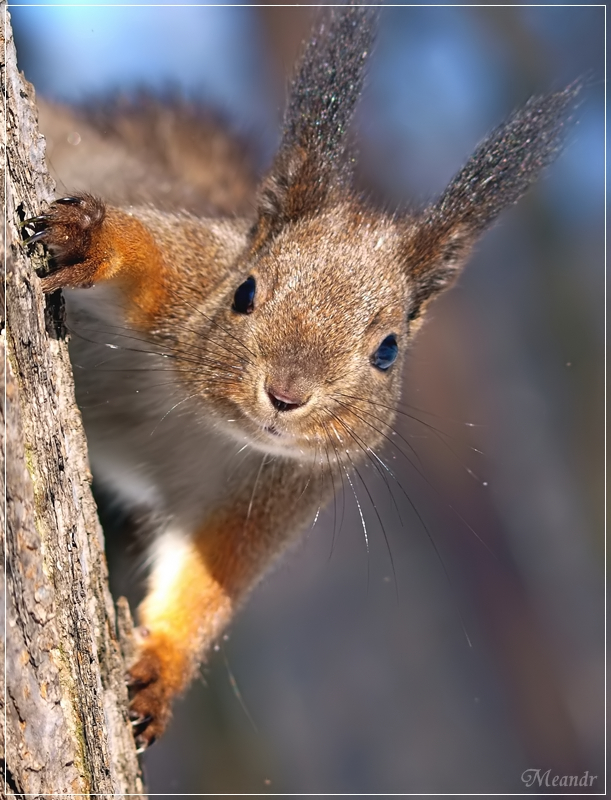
[244, 297]
[386, 353]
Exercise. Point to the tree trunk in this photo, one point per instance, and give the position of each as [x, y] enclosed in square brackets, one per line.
[67, 729]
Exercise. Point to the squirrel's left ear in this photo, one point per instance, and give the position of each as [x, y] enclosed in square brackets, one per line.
[437, 243]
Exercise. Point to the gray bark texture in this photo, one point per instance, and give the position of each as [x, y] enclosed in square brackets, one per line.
[64, 694]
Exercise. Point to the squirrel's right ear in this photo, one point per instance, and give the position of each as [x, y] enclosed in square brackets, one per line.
[310, 166]
[436, 245]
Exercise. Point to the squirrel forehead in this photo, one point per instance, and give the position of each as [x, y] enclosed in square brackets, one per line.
[341, 258]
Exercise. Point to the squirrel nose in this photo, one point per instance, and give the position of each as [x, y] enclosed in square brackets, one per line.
[284, 401]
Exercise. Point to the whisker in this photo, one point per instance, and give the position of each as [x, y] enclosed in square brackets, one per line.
[375, 508]
[438, 416]
[360, 510]
[436, 549]
[184, 347]
[180, 402]
[443, 436]
[172, 353]
[236, 690]
[341, 477]
[221, 327]
[428, 534]
[183, 301]
[309, 478]
[388, 439]
[334, 494]
[402, 413]
[430, 484]
[254, 489]
[371, 454]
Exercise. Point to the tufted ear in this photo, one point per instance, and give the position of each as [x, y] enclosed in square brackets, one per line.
[499, 172]
[311, 166]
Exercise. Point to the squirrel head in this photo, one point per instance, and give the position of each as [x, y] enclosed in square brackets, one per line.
[329, 290]
[319, 327]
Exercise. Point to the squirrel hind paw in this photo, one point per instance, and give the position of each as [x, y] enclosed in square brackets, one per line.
[150, 700]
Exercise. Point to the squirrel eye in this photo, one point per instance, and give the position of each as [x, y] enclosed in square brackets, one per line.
[244, 297]
[386, 353]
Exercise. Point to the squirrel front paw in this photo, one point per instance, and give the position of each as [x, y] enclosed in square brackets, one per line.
[70, 230]
[150, 700]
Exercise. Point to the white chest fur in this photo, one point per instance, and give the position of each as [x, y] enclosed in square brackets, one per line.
[148, 442]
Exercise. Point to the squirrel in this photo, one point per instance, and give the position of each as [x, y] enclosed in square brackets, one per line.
[269, 316]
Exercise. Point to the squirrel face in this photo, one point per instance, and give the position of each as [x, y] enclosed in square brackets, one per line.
[315, 336]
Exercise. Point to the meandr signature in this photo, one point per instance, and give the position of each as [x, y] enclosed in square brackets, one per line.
[539, 777]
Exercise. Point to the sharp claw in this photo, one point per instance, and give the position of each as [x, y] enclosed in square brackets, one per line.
[136, 723]
[69, 201]
[143, 744]
[34, 220]
[35, 237]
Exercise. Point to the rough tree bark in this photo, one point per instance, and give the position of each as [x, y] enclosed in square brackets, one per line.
[65, 698]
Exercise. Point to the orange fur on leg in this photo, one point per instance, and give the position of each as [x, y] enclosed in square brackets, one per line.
[185, 611]
[196, 585]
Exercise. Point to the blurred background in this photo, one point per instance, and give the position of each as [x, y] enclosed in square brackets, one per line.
[477, 653]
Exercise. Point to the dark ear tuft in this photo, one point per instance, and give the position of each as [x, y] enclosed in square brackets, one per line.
[310, 164]
[508, 161]
[329, 82]
[496, 176]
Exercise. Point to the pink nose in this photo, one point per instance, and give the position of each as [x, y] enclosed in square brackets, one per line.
[285, 401]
